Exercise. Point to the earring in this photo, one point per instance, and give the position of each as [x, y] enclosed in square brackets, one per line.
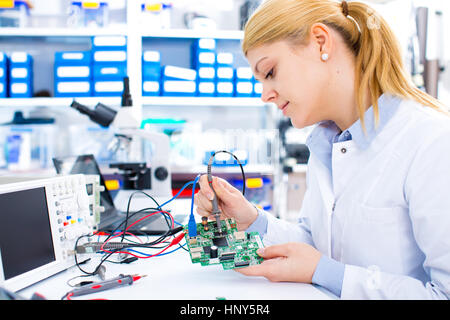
[324, 56]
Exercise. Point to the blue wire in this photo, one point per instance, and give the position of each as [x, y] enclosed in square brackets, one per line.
[193, 194]
[175, 196]
[161, 254]
[192, 225]
[191, 215]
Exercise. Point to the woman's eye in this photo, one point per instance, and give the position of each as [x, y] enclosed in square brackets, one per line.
[269, 74]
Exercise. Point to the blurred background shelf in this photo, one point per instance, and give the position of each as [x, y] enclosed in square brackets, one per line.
[60, 32]
[194, 34]
[56, 102]
[203, 101]
[146, 101]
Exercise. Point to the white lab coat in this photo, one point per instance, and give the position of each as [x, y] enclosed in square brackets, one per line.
[386, 214]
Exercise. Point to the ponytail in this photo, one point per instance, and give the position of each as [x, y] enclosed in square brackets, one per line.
[379, 64]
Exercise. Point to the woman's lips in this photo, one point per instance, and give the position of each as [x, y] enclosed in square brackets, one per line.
[284, 107]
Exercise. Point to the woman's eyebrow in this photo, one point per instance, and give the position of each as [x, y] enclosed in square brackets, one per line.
[256, 66]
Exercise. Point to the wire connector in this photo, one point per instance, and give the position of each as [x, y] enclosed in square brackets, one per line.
[192, 227]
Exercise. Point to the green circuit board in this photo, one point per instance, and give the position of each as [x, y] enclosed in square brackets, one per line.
[230, 248]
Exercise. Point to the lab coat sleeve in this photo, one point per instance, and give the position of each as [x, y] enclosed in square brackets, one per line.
[426, 191]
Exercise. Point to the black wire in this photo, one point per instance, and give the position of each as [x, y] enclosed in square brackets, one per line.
[125, 223]
[131, 245]
[239, 162]
[128, 208]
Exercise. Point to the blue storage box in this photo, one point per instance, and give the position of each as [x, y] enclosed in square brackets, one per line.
[151, 88]
[20, 67]
[244, 89]
[178, 73]
[203, 53]
[151, 72]
[20, 59]
[243, 74]
[204, 59]
[3, 66]
[107, 88]
[20, 75]
[224, 89]
[116, 71]
[225, 73]
[151, 57]
[204, 45]
[206, 88]
[20, 89]
[72, 74]
[182, 88]
[79, 73]
[109, 43]
[3, 75]
[206, 73]
[109, 56]
[224, 59]
[244, 82]
[73, 88]
[151, 65]
[2, 89]
[257, 88]
[109, 65]
[73, 58]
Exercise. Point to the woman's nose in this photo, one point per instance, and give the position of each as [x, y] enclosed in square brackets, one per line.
[268, 94]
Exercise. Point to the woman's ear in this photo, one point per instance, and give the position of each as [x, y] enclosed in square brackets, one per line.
[321, 36]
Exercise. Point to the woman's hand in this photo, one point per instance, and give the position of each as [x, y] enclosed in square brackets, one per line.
[293, 262]
[232, 203]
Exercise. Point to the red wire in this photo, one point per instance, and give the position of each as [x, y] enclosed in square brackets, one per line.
[145, 217]
[171, 218]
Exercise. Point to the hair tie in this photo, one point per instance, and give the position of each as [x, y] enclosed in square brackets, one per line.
[344, 7]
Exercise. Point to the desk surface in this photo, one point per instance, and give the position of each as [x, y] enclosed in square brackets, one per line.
[175, 277]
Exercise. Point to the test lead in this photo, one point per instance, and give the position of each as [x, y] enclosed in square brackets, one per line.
[121, 280]
[215, 205]
[215, 211]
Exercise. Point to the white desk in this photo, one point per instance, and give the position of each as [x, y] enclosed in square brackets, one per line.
[175, 277]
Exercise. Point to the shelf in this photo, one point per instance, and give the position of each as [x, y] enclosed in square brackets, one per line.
[86, 32]
[202, 101]
[187, 33]
[248, 169]
[60, 32]
[147, 101]
[57, 102]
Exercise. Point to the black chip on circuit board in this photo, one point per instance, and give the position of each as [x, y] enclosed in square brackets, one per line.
[220, 241]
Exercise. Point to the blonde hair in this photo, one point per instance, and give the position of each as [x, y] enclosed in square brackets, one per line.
[378, 60]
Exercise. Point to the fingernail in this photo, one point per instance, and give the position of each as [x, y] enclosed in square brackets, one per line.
[260, 251]
[210, 196]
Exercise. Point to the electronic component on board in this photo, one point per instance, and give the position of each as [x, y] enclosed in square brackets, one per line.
[230, 248]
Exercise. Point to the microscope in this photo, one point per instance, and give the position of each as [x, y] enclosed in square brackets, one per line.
[152, 176]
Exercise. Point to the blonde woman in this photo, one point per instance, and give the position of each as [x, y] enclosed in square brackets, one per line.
[375, 219]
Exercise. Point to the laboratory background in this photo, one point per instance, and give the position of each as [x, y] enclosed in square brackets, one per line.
[155, 88]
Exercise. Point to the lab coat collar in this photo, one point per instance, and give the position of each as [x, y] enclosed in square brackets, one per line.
[326, 132]
[387, 106]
